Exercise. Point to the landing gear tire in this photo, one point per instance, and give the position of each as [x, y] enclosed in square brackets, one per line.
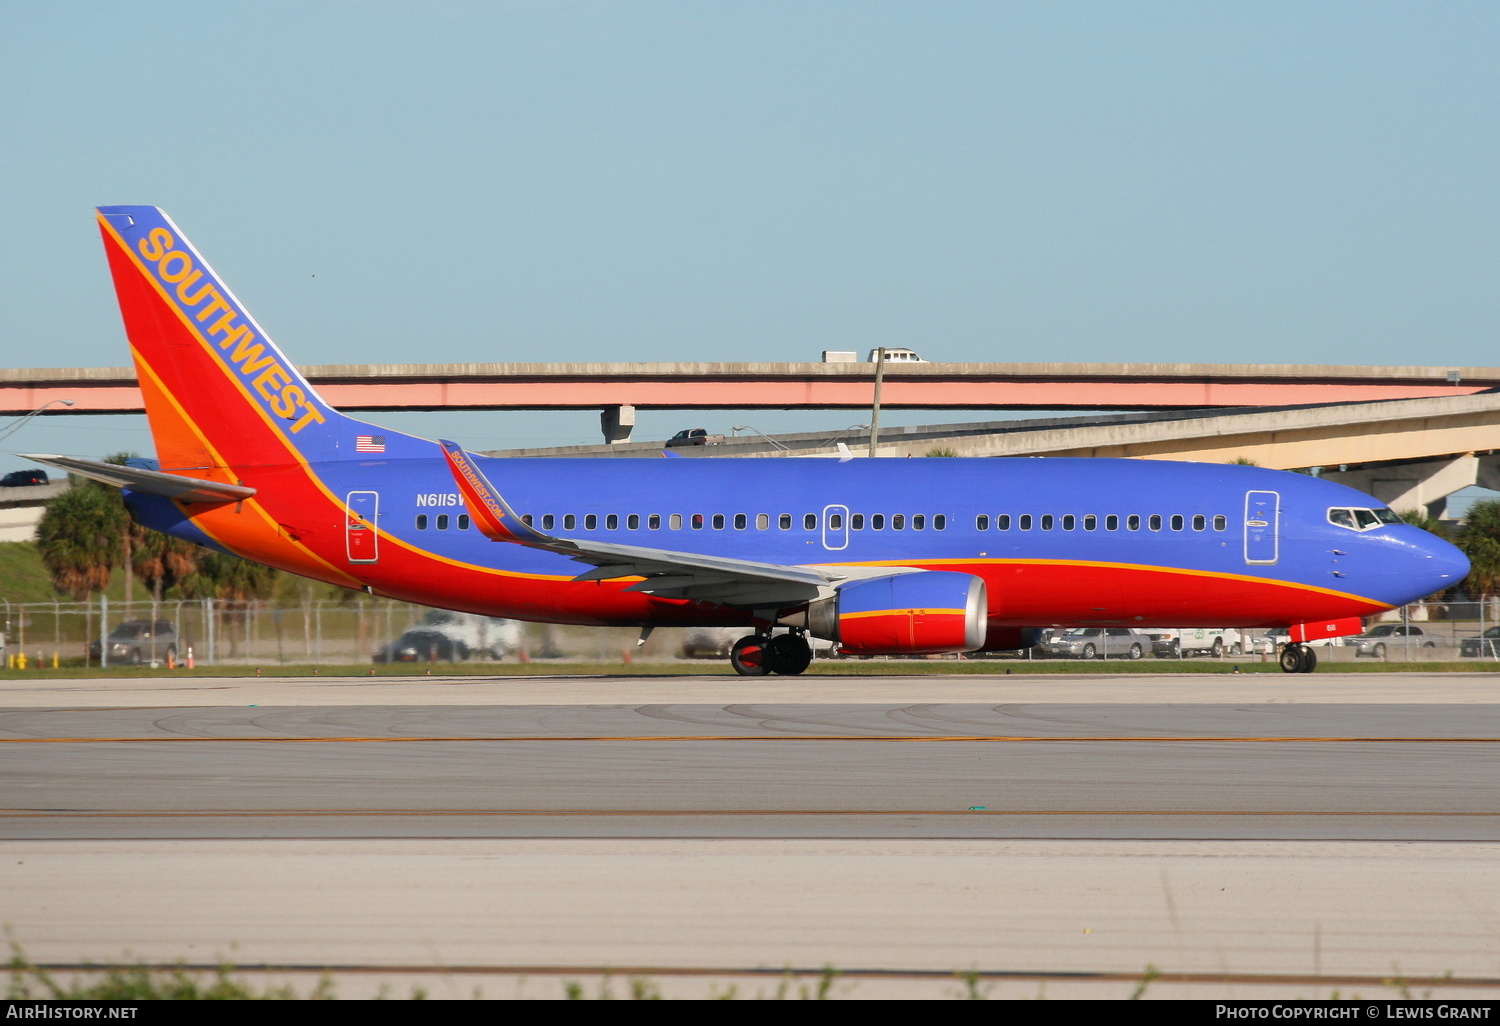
[1298, 659]
[748, 656]
[788, 654]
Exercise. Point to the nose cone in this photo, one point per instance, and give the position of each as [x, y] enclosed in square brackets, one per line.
[1435, 565]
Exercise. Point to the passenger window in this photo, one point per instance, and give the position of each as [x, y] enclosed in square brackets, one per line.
[1177, 521]
[612, 522]
[526, 519]
[981, 523]
[1199, 521]
[569, 520]
[442, 522]
[1069, 522]
[547, 521]
[918, 522]
[653, 522]
[939, 522]
[835, 521]
[1002, 522]
[590, 522]
[857, 522]
[1220, 522]
[697, 521]
[740, 522]
[1133, 522]
[1112, 522]
[877, 522]
[1025, 522]
[1046, 521]
[898, 521]
[762, 521]
[463, 521]
[633, 522]
[784, 521]
[810, 522]
[421, 521]
[675, 521]
[1090, 522]
[1154, 522]
[718, 521]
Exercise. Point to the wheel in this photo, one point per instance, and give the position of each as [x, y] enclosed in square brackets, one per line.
[1430, 644]
[1135, 651]
[788, 654]
[1379, 652]
[1298, 659]
[1236, 649]
[1218, 652]
[1088, 652]
[748, 656]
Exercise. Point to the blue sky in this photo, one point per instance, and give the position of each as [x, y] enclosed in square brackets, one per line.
[432, 182]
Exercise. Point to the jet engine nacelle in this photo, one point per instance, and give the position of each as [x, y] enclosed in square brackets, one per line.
[904, 614]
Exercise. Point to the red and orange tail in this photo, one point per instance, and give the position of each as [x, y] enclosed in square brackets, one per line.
[218, 392]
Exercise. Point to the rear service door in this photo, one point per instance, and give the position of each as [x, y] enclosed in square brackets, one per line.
[1262, 519]
[361, 540]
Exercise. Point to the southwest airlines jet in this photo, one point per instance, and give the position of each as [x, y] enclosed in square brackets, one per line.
[877, 556]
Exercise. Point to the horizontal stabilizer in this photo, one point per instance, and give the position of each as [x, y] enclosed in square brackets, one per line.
[150, 482]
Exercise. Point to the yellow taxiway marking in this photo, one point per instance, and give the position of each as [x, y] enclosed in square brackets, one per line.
[243, 813]
[903, 739]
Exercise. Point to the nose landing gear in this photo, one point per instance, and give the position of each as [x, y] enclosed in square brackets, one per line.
[1298, 659]
[758, 654]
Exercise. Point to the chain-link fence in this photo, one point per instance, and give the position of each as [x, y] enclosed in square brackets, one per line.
[365, 629]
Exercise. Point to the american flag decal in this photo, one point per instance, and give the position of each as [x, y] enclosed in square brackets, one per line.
[369, 443]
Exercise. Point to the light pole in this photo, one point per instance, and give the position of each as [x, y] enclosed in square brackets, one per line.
[18, 425]
[875, 407]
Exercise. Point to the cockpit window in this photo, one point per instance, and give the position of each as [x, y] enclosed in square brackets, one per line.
[1362, 519]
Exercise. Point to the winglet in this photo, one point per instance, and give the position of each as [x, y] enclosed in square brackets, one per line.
[492, 515]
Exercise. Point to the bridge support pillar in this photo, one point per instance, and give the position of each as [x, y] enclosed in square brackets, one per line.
[617, 422]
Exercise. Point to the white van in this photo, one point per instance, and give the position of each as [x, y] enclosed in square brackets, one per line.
[896, 356]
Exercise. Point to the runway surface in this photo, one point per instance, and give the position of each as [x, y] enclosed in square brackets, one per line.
[948, 823]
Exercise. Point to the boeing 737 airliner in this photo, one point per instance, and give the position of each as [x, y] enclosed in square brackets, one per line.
[878, 556]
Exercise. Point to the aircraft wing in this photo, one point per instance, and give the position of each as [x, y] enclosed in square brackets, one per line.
[151, 482]
[718, 579]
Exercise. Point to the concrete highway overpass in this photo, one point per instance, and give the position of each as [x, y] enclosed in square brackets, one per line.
[623, 387]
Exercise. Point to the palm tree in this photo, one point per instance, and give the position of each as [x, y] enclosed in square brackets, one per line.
[1479, 539]
[80, 538]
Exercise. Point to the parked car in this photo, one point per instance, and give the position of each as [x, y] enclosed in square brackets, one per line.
[1212, 641]
[450, 637]
[1272, 641]
[23, 478]
[1376, 640]
[1094, 642]
[134, 642]
[693, 436]
[1486, 645]
[896, 356]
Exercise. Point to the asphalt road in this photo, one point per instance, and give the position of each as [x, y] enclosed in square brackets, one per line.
[1272, 837]
[764, 770]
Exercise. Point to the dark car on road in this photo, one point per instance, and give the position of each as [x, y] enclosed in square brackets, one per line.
[23, 478]
[423, 646]
[1487, 645]
[1376, 640]
[134, 642]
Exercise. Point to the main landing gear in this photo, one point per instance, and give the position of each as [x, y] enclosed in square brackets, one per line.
[1298, 659]
[759, 654]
